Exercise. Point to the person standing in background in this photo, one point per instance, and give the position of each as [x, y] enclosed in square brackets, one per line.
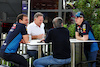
[85, 32]
[36, 30]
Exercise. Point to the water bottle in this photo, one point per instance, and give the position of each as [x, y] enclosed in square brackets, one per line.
[30, 38]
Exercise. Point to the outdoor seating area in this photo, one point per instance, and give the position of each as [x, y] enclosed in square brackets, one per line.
[47, 50]
[49, 33]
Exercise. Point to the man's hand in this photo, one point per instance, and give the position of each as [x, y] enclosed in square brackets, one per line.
[41, 36]
[78, 37]
[85, 37]
[42, 40]
[22, 41]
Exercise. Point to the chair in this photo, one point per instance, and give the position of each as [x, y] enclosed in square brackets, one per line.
[15, 64]
[7, 63]
[67, 65]
[91, 62]
[64, 65]
[84, 62]
[3, 66]
[23, 51]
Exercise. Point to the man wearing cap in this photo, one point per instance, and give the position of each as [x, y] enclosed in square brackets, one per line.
[84, 32]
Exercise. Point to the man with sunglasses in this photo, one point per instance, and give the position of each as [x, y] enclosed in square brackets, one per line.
[84, 32]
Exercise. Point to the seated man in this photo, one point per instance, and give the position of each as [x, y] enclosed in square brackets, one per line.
[36, 30]
[16, 34]
[59, 36]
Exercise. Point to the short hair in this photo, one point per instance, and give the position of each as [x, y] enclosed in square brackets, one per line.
[57, 22]
[38, 14]
[20, 16]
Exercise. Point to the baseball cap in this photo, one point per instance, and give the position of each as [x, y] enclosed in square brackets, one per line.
[79, 14]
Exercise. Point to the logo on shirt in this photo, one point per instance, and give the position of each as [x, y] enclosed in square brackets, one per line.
[84, 28]
[13, 27]
[79, 29]
[4, 44]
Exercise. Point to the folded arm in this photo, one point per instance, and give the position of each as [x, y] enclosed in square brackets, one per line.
[84, 38]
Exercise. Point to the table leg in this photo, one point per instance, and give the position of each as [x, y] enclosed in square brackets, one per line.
[39, 51]
[72, 55]
[82, 44]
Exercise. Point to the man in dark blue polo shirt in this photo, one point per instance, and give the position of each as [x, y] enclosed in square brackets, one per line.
[85, 32]
[59, 36]
[16, 34]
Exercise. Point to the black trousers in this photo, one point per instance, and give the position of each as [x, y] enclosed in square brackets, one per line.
[16, 58]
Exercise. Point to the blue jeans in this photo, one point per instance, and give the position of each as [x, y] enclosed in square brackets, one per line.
[33, 53]
[49, 60]
[91, 56]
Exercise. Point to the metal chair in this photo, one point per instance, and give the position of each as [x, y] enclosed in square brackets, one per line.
[7, 63]
[91, 62]
[3, 66]
[64, 65]
[84, 62]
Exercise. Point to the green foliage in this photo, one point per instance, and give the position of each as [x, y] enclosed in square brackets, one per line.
[65, 25]
[71, 29]
[96, 31]
[91, 10]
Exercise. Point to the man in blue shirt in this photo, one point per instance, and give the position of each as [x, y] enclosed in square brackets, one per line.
[16, 34]
[85, 32]
[59, 36]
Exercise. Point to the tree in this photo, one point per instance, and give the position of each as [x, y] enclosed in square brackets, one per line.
[91, 10]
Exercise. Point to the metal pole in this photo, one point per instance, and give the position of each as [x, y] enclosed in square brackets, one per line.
[29, 10]
[39, 51]
[64, 16]
[60, 8]
[72, 55]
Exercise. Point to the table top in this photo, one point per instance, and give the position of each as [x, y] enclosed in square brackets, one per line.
[35, 42]
[80, 41]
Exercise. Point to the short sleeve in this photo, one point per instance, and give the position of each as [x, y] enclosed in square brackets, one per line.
[29, 29]
[85, 28]
[76, 28]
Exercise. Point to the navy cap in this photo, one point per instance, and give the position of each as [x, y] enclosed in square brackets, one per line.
[79, 14]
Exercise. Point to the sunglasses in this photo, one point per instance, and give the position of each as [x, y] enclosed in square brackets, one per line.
[78, 17]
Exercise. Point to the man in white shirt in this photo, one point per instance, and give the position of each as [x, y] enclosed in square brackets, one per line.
[36, 30]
